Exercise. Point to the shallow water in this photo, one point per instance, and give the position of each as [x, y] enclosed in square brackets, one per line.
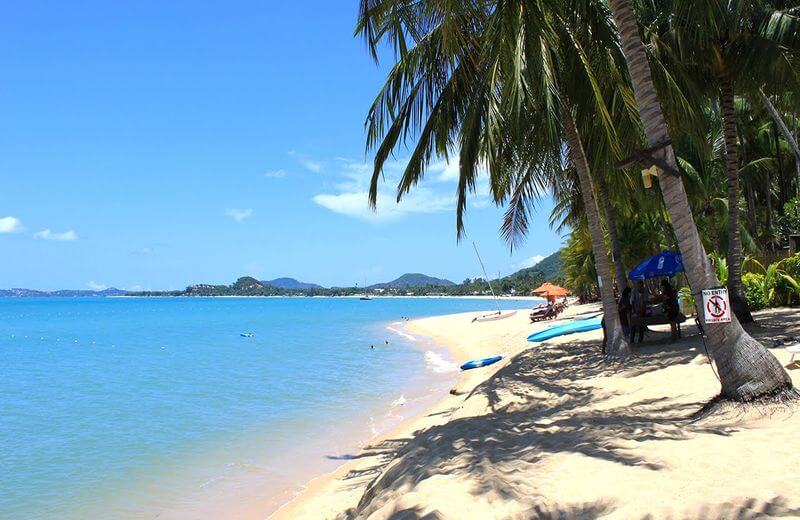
[137, 408]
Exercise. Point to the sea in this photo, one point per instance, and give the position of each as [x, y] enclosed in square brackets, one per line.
[193, 407]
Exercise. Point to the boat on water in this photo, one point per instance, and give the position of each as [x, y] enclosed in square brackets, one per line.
[366, 295]
[246, 334]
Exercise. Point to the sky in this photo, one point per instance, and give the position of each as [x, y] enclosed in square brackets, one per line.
[153, 145]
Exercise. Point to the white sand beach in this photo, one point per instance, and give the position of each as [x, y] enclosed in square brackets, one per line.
[554, 431]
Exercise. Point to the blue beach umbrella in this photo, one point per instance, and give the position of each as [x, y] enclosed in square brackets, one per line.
[665, 263]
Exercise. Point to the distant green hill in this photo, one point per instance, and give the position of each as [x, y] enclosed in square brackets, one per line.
[414, 280]
[548, 269]
[291, 283]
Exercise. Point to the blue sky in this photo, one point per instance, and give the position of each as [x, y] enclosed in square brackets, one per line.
[156, 144]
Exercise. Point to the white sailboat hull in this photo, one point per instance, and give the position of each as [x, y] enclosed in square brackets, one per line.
[495, 316]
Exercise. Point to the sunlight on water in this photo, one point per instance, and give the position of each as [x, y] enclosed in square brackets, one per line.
[137, 407]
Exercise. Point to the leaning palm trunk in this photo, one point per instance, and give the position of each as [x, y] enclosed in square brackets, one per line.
[620, 273]
[735, 290]
[776, 117]
[616, 343]
[747, 370]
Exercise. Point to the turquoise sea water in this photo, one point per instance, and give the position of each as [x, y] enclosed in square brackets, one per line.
[145, 408]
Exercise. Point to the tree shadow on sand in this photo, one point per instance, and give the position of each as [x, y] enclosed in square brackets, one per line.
[538, 512]
[546, 412]
[747, 509]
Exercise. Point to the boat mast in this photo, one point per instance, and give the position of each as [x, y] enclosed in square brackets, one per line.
[497, 304]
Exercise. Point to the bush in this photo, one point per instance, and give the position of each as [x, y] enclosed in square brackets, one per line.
[785, 294]
[755, 291]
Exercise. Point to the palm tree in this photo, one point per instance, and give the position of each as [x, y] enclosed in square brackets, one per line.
[747, 370]
[736, 44]
[477, 76]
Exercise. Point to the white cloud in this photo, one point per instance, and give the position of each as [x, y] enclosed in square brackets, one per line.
[94, 286]
[314, 166]
[275, 174]
[350, 193]
[355, 204]
[445, 171]
[66, 236]
[239, 215]
[10, 225]
[532, 261]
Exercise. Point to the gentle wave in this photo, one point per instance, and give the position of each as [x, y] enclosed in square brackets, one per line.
[438, 364]
[401, 333]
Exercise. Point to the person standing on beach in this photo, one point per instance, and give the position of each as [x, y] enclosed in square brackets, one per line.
[625, 308]
[638, 310]
[671, 309]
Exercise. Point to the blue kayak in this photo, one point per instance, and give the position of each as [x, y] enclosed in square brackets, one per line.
[566, 328]
[477, 363]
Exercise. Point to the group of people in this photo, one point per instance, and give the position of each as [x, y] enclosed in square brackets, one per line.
[548, 310]
[633, 308]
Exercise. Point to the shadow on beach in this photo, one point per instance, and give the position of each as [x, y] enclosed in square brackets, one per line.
[537, 406]
[555, 400]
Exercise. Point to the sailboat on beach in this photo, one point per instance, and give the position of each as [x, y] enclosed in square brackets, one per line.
[499, 315]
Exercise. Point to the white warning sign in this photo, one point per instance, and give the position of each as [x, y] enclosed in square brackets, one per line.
[716, 306]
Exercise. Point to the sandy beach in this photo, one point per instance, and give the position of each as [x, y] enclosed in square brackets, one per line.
[553, 431]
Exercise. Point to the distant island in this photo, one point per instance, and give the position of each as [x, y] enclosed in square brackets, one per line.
[69, 293]
[409, 284]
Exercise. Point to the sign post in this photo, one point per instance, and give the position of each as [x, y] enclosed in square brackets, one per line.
[716, 306]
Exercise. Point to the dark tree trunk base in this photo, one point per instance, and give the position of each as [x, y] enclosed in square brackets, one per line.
[740, 308]
[783, 397]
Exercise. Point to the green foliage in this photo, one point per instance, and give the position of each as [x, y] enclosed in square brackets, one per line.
[789, 222]
[720, 266]
[685, 294]
[547, 269]
[754, 290]
[580, 275]
[786, 281]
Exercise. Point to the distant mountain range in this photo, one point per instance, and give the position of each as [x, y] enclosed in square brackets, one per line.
[547, 269]
[413, 280]
[30, 293]
[291, 283]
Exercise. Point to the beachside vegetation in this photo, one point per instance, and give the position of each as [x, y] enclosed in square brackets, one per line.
[574, 99]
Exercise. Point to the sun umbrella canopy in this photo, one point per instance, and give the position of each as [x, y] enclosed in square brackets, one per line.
[665, 263]
[555, 290]
[551, 290]
[543, 288]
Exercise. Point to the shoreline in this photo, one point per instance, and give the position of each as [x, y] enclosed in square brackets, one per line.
[293, 508]
[321, 497]
[554, 431]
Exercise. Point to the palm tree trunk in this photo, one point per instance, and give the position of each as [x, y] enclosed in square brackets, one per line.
[735, 290]
[796, 160]
[747, 370]
[751, 209]
[713, 232]
[779, 160]
[620, 273]
[776, 117]
[616, 342]
[768, 196]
